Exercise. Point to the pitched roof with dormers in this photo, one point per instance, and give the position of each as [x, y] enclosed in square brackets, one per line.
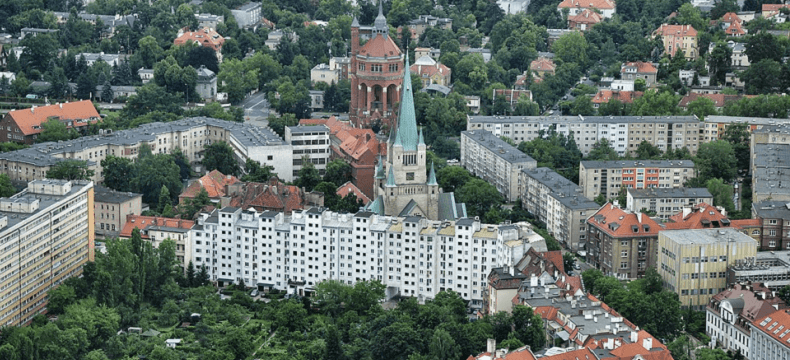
[214, 183]
[779, 319]
[586, 16]
[730, 17]
[542, 64]
[204, 36]
[29, 121]
[675, 30]
[735, 29]
[626, 97]
[380, 46]
[641, 67]
[349, 188]
[700, 216]
[157, 222]
[748, 301]
[620, 223]
[587, 4]
[274, 196]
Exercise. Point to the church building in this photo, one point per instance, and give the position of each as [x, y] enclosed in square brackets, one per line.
[376, 74]
[403, 187]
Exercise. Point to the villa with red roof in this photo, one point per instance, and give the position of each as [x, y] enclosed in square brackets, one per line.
[607, 8]
[205, 37]
[678, 37]
[215, 184]
[769, 10]
[639, 70]
[629, 240]
[584, 20]
[24, 125]
[350, 188]
[604, 96]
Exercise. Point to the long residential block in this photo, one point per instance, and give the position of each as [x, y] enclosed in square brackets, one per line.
[608, 177]
[559, 203]
[666, 202]
[412, 256]
[190, 135]
[624, 133]
[494, 160]
[46, 236]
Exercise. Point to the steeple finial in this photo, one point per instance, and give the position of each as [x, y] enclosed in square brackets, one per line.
[432, 176]
[407, 134]
[422, 139]
[391, 179]
[381, 8]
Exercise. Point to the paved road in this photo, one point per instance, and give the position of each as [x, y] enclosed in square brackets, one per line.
[256, 107]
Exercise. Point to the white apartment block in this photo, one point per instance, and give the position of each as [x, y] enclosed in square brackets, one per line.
[558, 202]
[310, 143]
[624, 133]
[607, 177]
[495, 161]
[190, 135]
[412, 256]
[46, 235]
[667, 201]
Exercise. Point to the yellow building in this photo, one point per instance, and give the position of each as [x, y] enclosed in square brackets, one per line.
[678, 37]
[46, 235]
[693, 263]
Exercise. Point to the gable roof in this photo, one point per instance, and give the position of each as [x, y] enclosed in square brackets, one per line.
[702, 216]
[627, 97]
[774, 7]
[273, 195]
[203, 36]
[542, 64]
[214, 183]
[348, 188]
[586, 16]
[731, 17]
[29, 120]
[147, 222]
[719, 100]
[675, 30]
[588, 4]
[641, 67]
[735, 28]
[768, 323]
[618, 222]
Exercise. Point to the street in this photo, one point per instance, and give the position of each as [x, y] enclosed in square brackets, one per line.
[256, 107]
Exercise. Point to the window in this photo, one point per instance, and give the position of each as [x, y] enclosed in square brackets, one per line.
[624, 265]
[624, 253]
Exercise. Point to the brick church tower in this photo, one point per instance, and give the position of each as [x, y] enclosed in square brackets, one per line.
[376, 74]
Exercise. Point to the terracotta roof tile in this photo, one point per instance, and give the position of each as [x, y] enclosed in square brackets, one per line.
[617, 222]
[702, 216]
[641, 67]
[735, 28]
[273, 195]
[380, 46]
[718, 99]
[586, 16]
[203, 36]
[587, 4]
[348, 187]
[675, 30]
[774, 7]
[29, 120]
[214, 183]
[556, 258]
[542, 64]
[626, 97]
[769, 323]
[143, 222]
[731, 17]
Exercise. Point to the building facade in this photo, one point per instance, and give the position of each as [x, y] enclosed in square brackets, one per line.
[559, 203]
[678, 37]
[412, 256]
[111, 208]
[376, 74]
[46, 236]
[769, 335]
[620, 243]
[431, 71]
[606, 8]
[247, 15]
[624, 133]
[24, 125]
[156, 229]
[608, 177]
[693, 263]
[325, 74]
[310, 143]
[205, 37]
[639, 70]
[206, 83]
[666, 202]
[774, 217]
[771, 268]
[494, 160]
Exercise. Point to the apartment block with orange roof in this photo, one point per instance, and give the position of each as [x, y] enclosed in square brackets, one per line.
[770, 336]
[24, 125]
[678, 37]
[621, 243]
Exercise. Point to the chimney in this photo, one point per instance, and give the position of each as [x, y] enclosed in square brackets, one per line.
[647, 343]
[639, 217]
[491, 346]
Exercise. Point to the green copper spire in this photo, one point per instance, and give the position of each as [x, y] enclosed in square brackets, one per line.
[379, 169]
[407, 120]
[391, 179]
[432, 176]
[422, 139]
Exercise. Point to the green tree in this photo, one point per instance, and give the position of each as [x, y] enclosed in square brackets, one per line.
[761, 76]
[722, 194]
[452, 178]
[702, 107]
[117, 171]
[568, 259]
[257, 173]
[602, 150]
[716, 160]
[55, 130]
[690, 15]
[572, 48]
[164, 198]
[582, 105]
[220, 156]
[338, 172]
[646, 151]
[308, 176]
[70, 170]
[442, 346]
[149, 51]
[479, 196]
[764, 46]
[59, 298]
[738, 136]
[528, 326]
[784, 293]
[151, 173]
[191, 207]
[238, 79]
[719, 63]
[151, 98]
[329, 189]
[6, 187]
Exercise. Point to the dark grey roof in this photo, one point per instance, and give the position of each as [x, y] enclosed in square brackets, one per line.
[638, 163]
[364, 214]
[229, 209]
[465, 222]
[44, 201]
[563, 190]
[771, 172]
[744, 120]
[248, 6]
[107, 195]
[315, 210]
[782, 128]
[412, 219]
[41, 154]
[772, 209]
[438, 88]
[680, 192]
[497, 146]
[308, 129]
[269, 214]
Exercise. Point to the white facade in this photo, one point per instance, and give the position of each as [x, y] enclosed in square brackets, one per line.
[494, 160]
[762, 346]
[412, 256]
[310, 143]
[722, 328]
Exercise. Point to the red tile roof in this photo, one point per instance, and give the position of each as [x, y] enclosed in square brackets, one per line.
[627, 97]
[617, 222]
[774, 7]
[755, 301]
[203, 36]
[29, 120]
[542, 64]
[735, 29]
[430, 70]
[556, 258]
[581, 354]
[143, 222]
[380, 46]
[586, 16]
[522, 353]
[769, 323]
[702, 216]
[731, 17]
[718, 99]
[274, 196]
[587, 4]
[354, 142]
[641, 67]
[349, 188]
[675, 30]
[214, 183]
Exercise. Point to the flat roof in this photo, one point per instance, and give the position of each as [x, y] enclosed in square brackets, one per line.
[772, 209]
[638, 164]
[680, 192]
[301, 129]
[107, 195]
[771, 172]
[45, 201]
[708, 236]
[497, 146]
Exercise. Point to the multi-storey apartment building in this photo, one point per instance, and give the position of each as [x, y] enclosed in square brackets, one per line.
[25, 125]
[729, 314]
[769, 337]
[310, 143]
[607, 177]
[666, 202]
[111, 208]
[678, 38]
[693, 263]
[770, 172]
[156, 229]
[774, 217]
[494, 160]
[624, 133]
[412, 256]
[558, 202]
[621, 243]
[715, 125]
[46, 235]
[190, 135]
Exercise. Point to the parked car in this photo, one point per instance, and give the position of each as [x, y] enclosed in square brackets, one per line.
[577, 266]
[254, 292]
